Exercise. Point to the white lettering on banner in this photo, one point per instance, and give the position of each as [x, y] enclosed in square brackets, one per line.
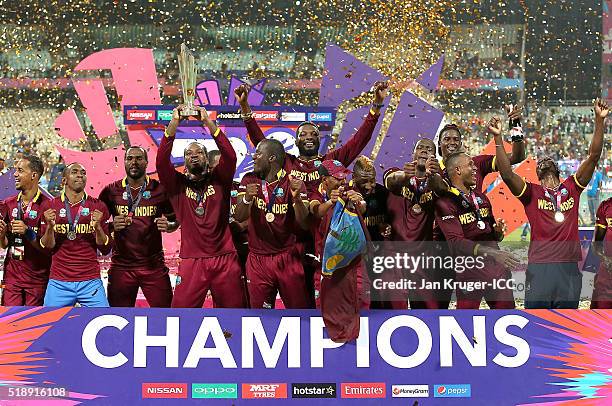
[290, 331]
[142, 341]
[522, 347]
[88, 341]
[476, 354]
[424, 341]
[221, 350]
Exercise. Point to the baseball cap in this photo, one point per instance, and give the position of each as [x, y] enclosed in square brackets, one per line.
[333, 168]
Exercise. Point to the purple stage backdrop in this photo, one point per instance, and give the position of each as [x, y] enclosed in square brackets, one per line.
[131, 356]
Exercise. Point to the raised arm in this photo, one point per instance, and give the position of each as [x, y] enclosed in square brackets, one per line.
[518, 145]
[396, 179]
[255, 133]
[168, 176]
[227, 161]
[587, 167]
[355, 145]
[300, 204]
[514, 181]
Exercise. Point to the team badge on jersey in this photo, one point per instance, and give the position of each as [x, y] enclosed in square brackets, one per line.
[465, 204]
[280, 192]
[62, 213]
[33, 214]
[564, 192]
[234, 193]
[317, 163]
[85, 211]
[146, 194]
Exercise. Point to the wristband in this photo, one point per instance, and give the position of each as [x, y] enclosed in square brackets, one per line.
[378, 106]
[245, 200]
[246, 116]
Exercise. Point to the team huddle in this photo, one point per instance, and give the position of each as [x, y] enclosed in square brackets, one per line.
[247, 243]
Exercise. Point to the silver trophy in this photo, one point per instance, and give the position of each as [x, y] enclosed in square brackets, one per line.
[187, 70]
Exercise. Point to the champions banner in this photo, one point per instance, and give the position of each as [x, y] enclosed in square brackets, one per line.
[117, 356]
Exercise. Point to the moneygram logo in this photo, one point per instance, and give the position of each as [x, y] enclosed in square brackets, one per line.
[319, 117]
[410, 391]
[293, 116]
[141, 114]
[313, 390]
[264, 390]
[453, 391]
[363, 390]
[158, 390]
[265, 115]
[214, 391]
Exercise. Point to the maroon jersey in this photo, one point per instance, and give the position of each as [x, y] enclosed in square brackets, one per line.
[139, 245]
[458, 218]
[33, 269]
[306, 170]
[265, 237]
[376, 211]
[604, 221]
[553, 241]
[76, 260]
[207, 235]
[240, 236]
[411, 213]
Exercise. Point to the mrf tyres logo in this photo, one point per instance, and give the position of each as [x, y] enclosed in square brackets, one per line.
[264, 390]
[313, 390]
[453, 391]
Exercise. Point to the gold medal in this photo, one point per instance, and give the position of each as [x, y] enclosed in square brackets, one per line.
[269, 217]
[417, 209]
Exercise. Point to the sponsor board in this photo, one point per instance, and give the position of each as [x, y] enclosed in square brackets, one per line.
[453, 391]
[141, 115]
[293, 116]
[356, 390]
[319, 116]
[264, 390]
[164, 390]
[313, 390]
[410, 391]
[228, 115]
[214, 391]
[164, 115]
[266, 115]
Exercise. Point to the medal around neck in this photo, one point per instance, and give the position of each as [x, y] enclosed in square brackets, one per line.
[481, 225]
[559, 217]
[199, 211]
[417, 209]
[269, 217]
[71, 235]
